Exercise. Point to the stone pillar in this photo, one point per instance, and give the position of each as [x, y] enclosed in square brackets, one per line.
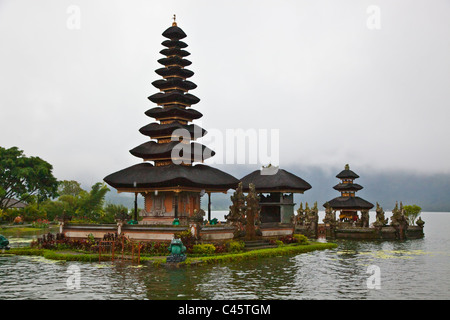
[119, 227]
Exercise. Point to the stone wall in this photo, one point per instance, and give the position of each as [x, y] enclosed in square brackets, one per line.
[146, 232]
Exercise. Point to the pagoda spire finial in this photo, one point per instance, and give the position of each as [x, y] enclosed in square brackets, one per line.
[347, 167]
[174, 23]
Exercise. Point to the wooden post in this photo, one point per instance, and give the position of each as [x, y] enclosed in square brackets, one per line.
[123, 239]
[135, 206]
[176, 205]
[209, 206]
[99, 252]
[139, 253]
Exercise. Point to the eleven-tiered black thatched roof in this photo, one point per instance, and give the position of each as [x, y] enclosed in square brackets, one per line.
[174, 113]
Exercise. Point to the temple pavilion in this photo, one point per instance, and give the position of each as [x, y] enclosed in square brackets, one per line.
[348, 204]
[168, 178]
[276, 193]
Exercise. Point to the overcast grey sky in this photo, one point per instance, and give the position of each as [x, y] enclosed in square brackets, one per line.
[338, 91]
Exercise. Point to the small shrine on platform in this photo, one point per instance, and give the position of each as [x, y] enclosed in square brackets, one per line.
[275, 188]
[348, 203]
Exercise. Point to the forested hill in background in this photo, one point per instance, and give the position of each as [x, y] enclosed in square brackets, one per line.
[431, 192]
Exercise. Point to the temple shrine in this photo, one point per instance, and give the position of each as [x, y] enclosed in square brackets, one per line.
[172, 185]
[348, 203]
[276, 193]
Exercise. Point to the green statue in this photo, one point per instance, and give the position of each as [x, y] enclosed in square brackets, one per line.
[4, 243]
[177, 251]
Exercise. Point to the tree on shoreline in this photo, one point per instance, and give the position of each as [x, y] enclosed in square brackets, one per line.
[24, 178]
[412, 212]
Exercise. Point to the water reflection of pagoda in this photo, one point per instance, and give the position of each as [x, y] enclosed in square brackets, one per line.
[348, 204]
[172, 186]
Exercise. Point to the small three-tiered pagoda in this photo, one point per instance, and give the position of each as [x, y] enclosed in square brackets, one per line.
[172, 185]
[348, 203]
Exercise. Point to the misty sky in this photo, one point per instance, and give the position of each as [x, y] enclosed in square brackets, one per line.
[338, 91]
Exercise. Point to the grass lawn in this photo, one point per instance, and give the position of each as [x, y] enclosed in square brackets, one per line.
[19, 230]
[71, 255]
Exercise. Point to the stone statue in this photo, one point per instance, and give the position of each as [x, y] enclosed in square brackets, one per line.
[198, 216]
[380, 218]
[311, 219]
[420, 222]
[314, 213]
[395, 215]
[399, 221]
[300, 218]
[252, 211]
[330, 215]
[196, 222]
[236, 216]
[307, 211]
[365, 218]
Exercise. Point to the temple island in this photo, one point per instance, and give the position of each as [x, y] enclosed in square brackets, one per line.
[173, 180]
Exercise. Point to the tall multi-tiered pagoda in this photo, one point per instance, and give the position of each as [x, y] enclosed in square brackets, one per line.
[348, 204]
[172, 185]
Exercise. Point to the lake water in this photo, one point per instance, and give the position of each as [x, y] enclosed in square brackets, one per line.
[411, 269]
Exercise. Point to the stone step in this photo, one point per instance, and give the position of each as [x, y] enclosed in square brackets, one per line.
[269, 246]
[255, 243]
[258, 244]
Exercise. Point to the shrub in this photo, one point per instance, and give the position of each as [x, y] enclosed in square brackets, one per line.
[187, 238]
[300, 238]
[287, 239]
[204, 249]
[40, 223]
[235, 246]
[221, 248]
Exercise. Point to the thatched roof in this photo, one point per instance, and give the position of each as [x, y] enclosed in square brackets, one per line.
[281, 181]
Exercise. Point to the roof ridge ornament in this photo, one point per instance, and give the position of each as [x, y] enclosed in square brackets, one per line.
[269, 170]
[347, 167]
[174, 23]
